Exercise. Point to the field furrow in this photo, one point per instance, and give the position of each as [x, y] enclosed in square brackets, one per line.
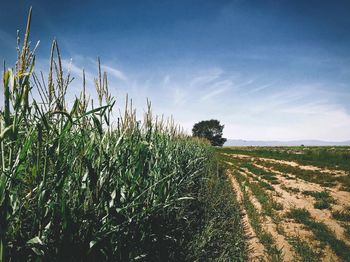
[256, 251]
[276, 245]
[305, 218]
[270, 224]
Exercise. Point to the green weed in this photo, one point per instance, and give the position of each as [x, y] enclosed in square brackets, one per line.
[304, 251]
[323, 199]
[347, 230]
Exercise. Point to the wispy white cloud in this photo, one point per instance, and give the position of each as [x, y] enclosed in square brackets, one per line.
[259, 88]
[76, 70]
[213, 93]
[324, 125]
[304, 113]
[206, 77]
[217, 88]
[251, 107]
[114, 72]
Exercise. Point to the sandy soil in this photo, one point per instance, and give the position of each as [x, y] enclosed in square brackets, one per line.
[289, 199]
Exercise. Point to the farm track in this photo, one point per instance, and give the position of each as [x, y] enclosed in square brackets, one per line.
[287, 191]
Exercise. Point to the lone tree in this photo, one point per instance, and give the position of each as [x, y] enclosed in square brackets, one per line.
[211, 130]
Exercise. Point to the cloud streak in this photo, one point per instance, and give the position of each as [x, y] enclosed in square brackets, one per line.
[114, 72]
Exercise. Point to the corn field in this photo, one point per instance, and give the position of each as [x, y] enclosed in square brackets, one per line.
[81, 182]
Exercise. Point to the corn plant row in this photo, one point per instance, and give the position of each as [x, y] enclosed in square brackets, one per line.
[78, 183]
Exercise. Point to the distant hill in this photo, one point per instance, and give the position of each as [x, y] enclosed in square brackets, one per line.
[240, 142]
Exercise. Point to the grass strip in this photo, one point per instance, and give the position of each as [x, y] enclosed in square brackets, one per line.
[221, 237]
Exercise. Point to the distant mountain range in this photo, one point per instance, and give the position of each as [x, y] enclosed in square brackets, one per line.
[240, 142]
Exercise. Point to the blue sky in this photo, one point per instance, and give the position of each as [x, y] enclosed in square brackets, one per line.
[266, 69]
